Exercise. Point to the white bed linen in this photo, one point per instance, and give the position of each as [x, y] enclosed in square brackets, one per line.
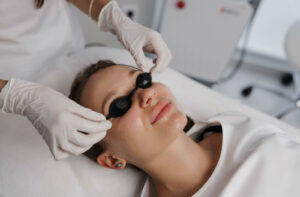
[257, 159]
[28, 169]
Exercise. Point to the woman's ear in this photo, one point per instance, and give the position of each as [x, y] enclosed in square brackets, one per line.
[109, 161]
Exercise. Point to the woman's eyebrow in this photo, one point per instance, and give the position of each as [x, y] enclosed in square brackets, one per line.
[132, 72]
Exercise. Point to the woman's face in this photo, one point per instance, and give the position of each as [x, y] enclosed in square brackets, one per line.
[135, 136]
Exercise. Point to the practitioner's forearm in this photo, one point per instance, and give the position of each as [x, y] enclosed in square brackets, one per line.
[2, 84]
[84, 5]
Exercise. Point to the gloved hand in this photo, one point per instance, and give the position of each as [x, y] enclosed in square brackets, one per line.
[59, 120]
[135, 38]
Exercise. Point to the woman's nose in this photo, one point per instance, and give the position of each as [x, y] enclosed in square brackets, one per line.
[146, 96]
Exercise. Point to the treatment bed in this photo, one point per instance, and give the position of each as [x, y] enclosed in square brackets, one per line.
[27, 167]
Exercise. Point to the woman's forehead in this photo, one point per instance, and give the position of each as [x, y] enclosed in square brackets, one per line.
[111, 78]
[107, 81]
[116, 71]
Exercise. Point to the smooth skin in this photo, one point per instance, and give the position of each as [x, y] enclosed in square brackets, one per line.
[178, 166]
[84, 5]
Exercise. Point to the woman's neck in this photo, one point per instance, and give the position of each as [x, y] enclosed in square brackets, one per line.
[182, 168]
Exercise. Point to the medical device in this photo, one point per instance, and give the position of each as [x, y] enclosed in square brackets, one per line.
[203, 34]
[292, 47]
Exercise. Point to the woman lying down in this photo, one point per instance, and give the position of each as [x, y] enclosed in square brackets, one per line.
[227, 155]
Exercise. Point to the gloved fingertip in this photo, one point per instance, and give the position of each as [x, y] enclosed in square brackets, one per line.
[108, 124]
[153, 70]
[154, 61]
[141, 62]
[60, 155]
[157, 68]
[86, 148]
[97, 137]
[94, 116]
[143, 67]
[161, 65]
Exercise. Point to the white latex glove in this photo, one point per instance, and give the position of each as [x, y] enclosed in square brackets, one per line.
[57, 118]
[135, 38]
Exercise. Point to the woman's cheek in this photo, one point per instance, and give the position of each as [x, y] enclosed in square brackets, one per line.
[175, 122]
[132, 121]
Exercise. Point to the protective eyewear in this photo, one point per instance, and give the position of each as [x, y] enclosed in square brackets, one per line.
[122, 104]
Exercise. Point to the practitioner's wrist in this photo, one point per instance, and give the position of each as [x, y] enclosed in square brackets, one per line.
[2, 84]
[113, 19]
[3, 90]
[96, 7]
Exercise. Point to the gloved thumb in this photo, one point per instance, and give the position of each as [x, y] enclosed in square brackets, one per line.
[140, 60]
[60, 154]
[164, 57]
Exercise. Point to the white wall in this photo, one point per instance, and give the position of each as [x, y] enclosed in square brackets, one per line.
[270, 26]
[266, 38]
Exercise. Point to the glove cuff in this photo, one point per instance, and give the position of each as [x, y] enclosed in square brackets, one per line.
[16, 96]
[111, 18]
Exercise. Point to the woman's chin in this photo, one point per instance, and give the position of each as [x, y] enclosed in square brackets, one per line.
[176, 122]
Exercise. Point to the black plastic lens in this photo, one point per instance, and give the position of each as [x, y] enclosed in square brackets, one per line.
[119, 107]
[122, 104]
[144, 80]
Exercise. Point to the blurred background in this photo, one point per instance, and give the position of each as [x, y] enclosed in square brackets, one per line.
[237, 47]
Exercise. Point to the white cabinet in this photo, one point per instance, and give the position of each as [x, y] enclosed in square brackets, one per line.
[202, 34]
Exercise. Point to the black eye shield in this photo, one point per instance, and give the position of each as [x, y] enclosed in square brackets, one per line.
[122, 104]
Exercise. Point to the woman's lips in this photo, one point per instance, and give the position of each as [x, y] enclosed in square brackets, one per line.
[161, 109]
